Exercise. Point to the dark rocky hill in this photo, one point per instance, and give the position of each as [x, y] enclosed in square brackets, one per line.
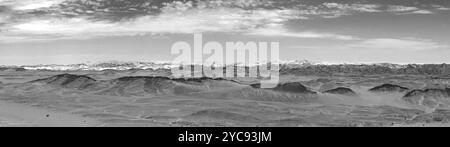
[341, 91]
[389, 88]
[431, 98]
[350, 69]
[294, 87]
[68, 81]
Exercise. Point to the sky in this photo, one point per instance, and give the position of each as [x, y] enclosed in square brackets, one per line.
[332, 31]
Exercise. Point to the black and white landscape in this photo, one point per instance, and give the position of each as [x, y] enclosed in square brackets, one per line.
[309, 95]
[107, 63]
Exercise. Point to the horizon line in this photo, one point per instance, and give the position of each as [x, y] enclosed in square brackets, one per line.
[169, 62]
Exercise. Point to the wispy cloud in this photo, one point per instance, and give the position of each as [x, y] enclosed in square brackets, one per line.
[3, 18]
[396, 44]
[354, 7]
[171, 20]
[440, 7]
[176, 17]
[422, 12]
[279, 31]
[407, 10]
[401, 9]
[30, 4]
[335, 10]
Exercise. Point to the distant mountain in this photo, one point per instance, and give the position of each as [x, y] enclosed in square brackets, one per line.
[5, 68]
[298, 63]
[113, 65]
[296, 67]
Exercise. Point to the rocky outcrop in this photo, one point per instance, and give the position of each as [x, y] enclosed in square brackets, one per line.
[194, 87]
[341, 91]
[68, 81]
[135, 86]
[368, 69]
[283, 92]
[143, 85]
[294, 87]
[431, 98]
[437, 116]
[389, 88]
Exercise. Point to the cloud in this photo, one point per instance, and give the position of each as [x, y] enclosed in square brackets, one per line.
[227, 20]
[440, 7]
[396, 44]
[69, 26]
[279, 31]
[84, 19]
[397, 8]
[29, 4]
[422, 12]
[3, 18]
[174, 18]
[334, 10]
[354, 7]
[407, 10]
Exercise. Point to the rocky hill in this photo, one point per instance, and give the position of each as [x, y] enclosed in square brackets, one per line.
[134, 86]
[341, 91]
[368, 69]
[293, 87]
[389, 88]
[431, 98]
[68, 81]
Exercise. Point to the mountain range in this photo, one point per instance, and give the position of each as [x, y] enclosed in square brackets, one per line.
[297, 67]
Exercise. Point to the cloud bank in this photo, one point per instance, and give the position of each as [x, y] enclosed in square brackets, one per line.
[40, 20]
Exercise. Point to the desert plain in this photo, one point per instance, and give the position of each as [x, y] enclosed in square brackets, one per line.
[152, 98]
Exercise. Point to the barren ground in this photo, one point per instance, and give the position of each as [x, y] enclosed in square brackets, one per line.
[219, 103]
